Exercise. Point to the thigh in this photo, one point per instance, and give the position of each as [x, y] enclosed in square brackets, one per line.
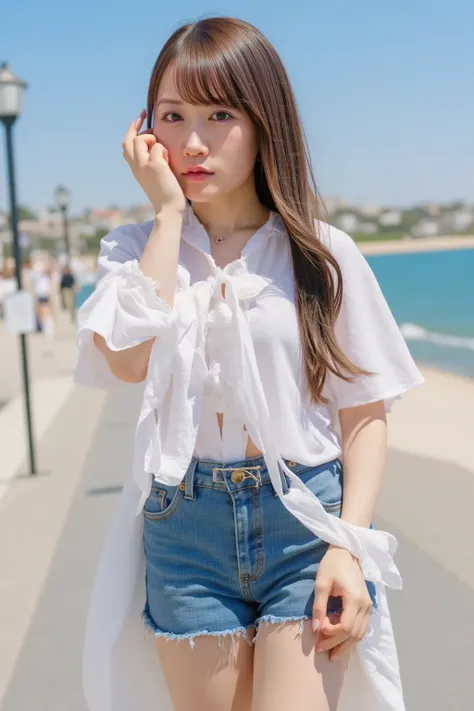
[290, 674]
[214, 674]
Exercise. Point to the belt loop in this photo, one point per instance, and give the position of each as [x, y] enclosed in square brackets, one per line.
[189, 489]
[284, 481]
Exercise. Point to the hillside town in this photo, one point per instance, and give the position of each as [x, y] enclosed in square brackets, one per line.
[44, 229]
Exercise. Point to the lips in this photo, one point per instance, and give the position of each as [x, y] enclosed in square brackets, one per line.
[198, 171]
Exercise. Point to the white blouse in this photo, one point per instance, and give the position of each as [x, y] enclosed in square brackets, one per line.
[238, 354]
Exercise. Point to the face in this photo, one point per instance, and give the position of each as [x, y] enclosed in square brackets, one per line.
[217, 138]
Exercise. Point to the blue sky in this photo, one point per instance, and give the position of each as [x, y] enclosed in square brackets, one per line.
[384, 90]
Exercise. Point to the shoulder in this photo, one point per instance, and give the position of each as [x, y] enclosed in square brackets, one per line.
[122, 245]
[339, 243]
[127, 239]
[352, 263]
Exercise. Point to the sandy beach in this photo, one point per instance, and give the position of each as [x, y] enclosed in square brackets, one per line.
[429, 485]
[426, 244]
[436, 419]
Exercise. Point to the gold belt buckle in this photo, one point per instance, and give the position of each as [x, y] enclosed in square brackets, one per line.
[243, 473]
[239, 474]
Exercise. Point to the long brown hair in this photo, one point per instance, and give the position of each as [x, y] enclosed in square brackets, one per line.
[226, 61]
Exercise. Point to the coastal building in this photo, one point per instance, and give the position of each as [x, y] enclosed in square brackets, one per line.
[369, 210]
[347, 221]
[139, 214]
[334, 204]
[105, 219]
[456, 221]
[368, 228]
[390, 218]
[426, 228]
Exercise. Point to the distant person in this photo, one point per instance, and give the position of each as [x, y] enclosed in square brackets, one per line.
[67, 287]
[269, 356]
[42, 287]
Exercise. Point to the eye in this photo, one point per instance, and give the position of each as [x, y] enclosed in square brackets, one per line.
[171, 113]
[220, 113]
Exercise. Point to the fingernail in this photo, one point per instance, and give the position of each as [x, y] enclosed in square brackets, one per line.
[315, 625]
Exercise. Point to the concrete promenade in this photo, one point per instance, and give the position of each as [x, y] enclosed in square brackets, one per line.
[52, 527]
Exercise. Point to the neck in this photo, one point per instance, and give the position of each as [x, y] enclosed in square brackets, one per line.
[230, 213]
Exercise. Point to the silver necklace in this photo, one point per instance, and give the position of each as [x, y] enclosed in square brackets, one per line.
[219, 240]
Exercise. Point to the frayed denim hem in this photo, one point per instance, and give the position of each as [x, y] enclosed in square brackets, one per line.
[280, 622]
[238, 632]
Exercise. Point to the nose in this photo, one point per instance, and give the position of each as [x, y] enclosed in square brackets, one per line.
[195, 146]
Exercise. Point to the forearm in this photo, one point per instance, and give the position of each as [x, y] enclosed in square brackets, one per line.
[364, 442]
[159, 261]
[129, 365]
[160, 256]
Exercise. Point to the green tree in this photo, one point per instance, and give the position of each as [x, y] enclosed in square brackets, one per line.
[24, 213]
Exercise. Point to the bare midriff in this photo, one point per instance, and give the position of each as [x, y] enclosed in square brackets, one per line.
[251, 449]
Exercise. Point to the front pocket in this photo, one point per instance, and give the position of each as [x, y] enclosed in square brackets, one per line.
[325, 482]
[162, 501]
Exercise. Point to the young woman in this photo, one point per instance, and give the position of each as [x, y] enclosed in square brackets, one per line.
[241, 570]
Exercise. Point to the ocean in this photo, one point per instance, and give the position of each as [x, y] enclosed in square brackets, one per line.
[431, 295]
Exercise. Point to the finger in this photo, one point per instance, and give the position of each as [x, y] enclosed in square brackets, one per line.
[158, 154]
[134, 128]
[333, 634]
[142, 147]
[357, 634]
[132, 133]
[341, 649]
[140, 120]
[350, 611]
[322, 590]
[332, 624]
[360, 626]
[362, 621]
[324, 644]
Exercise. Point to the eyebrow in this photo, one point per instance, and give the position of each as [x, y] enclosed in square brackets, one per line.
[176, 102]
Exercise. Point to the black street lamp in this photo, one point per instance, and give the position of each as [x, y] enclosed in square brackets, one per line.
[62, 201]
[62, 196]
[11, 103]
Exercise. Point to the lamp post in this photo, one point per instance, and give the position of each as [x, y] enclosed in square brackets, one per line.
[62, 196]
[11, 104]
[62, 201]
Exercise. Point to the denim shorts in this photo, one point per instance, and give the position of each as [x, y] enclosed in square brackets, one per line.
[223, 554]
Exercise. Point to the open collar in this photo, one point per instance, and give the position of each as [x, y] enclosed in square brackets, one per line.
[194, 233]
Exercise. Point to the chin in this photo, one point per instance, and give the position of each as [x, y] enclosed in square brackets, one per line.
[204, 193]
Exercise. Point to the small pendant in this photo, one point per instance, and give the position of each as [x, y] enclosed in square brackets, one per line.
[219, 240]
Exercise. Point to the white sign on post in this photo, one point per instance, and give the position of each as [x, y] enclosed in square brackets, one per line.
[24, 240]
[19, 312]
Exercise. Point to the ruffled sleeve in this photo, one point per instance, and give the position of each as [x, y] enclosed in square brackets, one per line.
[367, 333]
[125, 307]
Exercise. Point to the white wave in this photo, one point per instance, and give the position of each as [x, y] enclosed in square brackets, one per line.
[413, 332]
